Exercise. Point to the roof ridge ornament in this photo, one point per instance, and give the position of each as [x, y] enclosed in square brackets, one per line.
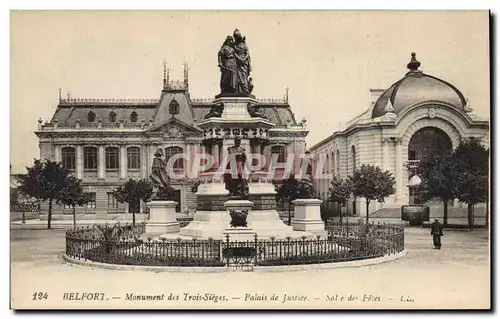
[413, 65]
[389, 108]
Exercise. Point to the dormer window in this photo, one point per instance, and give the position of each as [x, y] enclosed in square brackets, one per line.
[174, 107]
[91, 116]
[112, 116]
[133, 117]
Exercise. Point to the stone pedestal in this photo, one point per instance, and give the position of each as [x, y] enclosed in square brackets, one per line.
[239, 233]
[307, 216]
[162, 218]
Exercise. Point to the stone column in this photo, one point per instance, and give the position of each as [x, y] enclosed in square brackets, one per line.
[123, 162]
[79, 161]
[144, 160]
[399, 169]
[385, 153]
[57, 153]
[216, 153]
[188, 160]
[266, 152]
[100, 162]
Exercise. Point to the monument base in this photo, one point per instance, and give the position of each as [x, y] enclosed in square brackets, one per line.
[307, 217]
[162, 218]
[239, 234]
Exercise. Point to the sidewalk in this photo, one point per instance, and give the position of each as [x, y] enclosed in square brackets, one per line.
[65, 224]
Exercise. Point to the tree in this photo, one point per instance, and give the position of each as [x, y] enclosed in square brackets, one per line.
[436, 173]
[288, 192]
[73, 195]
[372, 183]
[14, 196]
[340, 191]
[132, 192]
[471, 175]
[44, 181]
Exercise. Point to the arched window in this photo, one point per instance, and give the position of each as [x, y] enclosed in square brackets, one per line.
[112, 158]
[327, 163]
[338, 162]
[90, 157]
[133, 158]
[332, 163]
[173, 107]
[133, 117]
[68, 157]
[91, 116]
[281, 151]
[112, 116]
[353, 158]
[171, 151]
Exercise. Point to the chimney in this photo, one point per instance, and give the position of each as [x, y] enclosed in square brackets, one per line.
[375, 94]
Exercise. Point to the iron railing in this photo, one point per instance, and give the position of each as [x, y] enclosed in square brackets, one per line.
[126, 245]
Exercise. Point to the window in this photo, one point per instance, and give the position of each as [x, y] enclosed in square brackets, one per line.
[112, 202]
[133, 158]
[112, 158]
[173, 107]
[171, 151]
[68, 157]
[91, 116]
[90, 157]
[91, 203]
[353, 155]
[112, 116]
[133, 117]
[338, 162]
[281, 151]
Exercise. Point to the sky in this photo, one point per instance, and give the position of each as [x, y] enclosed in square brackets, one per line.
[329, 60]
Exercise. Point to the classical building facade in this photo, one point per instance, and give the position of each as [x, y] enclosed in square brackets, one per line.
[417, 115]
[104, 142]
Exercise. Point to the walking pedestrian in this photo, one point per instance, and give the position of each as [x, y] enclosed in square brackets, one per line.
[436, 232]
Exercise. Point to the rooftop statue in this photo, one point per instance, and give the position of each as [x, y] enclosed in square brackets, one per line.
[235, 65]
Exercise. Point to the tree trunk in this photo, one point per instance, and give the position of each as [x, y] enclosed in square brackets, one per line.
[289, 213]
[340, 213]
[367, 215]
[74, 216]
[49, 216]
[470, 212]
[487, 211]
[445, 213]
[131, 207]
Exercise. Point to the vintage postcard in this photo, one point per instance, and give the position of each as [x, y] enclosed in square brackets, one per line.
[250, 160]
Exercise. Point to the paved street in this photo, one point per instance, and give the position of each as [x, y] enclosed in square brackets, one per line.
[455, 277]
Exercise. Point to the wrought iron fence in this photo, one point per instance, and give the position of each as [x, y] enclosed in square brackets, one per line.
[123, 244]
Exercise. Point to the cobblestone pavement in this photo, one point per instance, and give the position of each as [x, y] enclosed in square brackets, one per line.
[457, 276]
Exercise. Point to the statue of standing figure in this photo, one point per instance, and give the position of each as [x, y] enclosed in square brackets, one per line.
[235, 65]
[160, 178]
[235, 181]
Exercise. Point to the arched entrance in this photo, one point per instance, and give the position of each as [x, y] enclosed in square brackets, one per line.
[425, 142]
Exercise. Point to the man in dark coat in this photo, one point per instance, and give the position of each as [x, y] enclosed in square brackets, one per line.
[436, 232]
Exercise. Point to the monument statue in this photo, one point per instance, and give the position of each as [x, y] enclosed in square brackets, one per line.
[235, 180]
[255, 111]
[215, 111]
[160, 178]
[227, 65]
[235, 65]
[306, 186]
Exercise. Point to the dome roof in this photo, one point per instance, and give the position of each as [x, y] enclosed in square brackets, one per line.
[416, 87]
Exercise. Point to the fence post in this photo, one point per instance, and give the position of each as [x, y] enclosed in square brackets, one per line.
[255, 248]
[227, 250]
